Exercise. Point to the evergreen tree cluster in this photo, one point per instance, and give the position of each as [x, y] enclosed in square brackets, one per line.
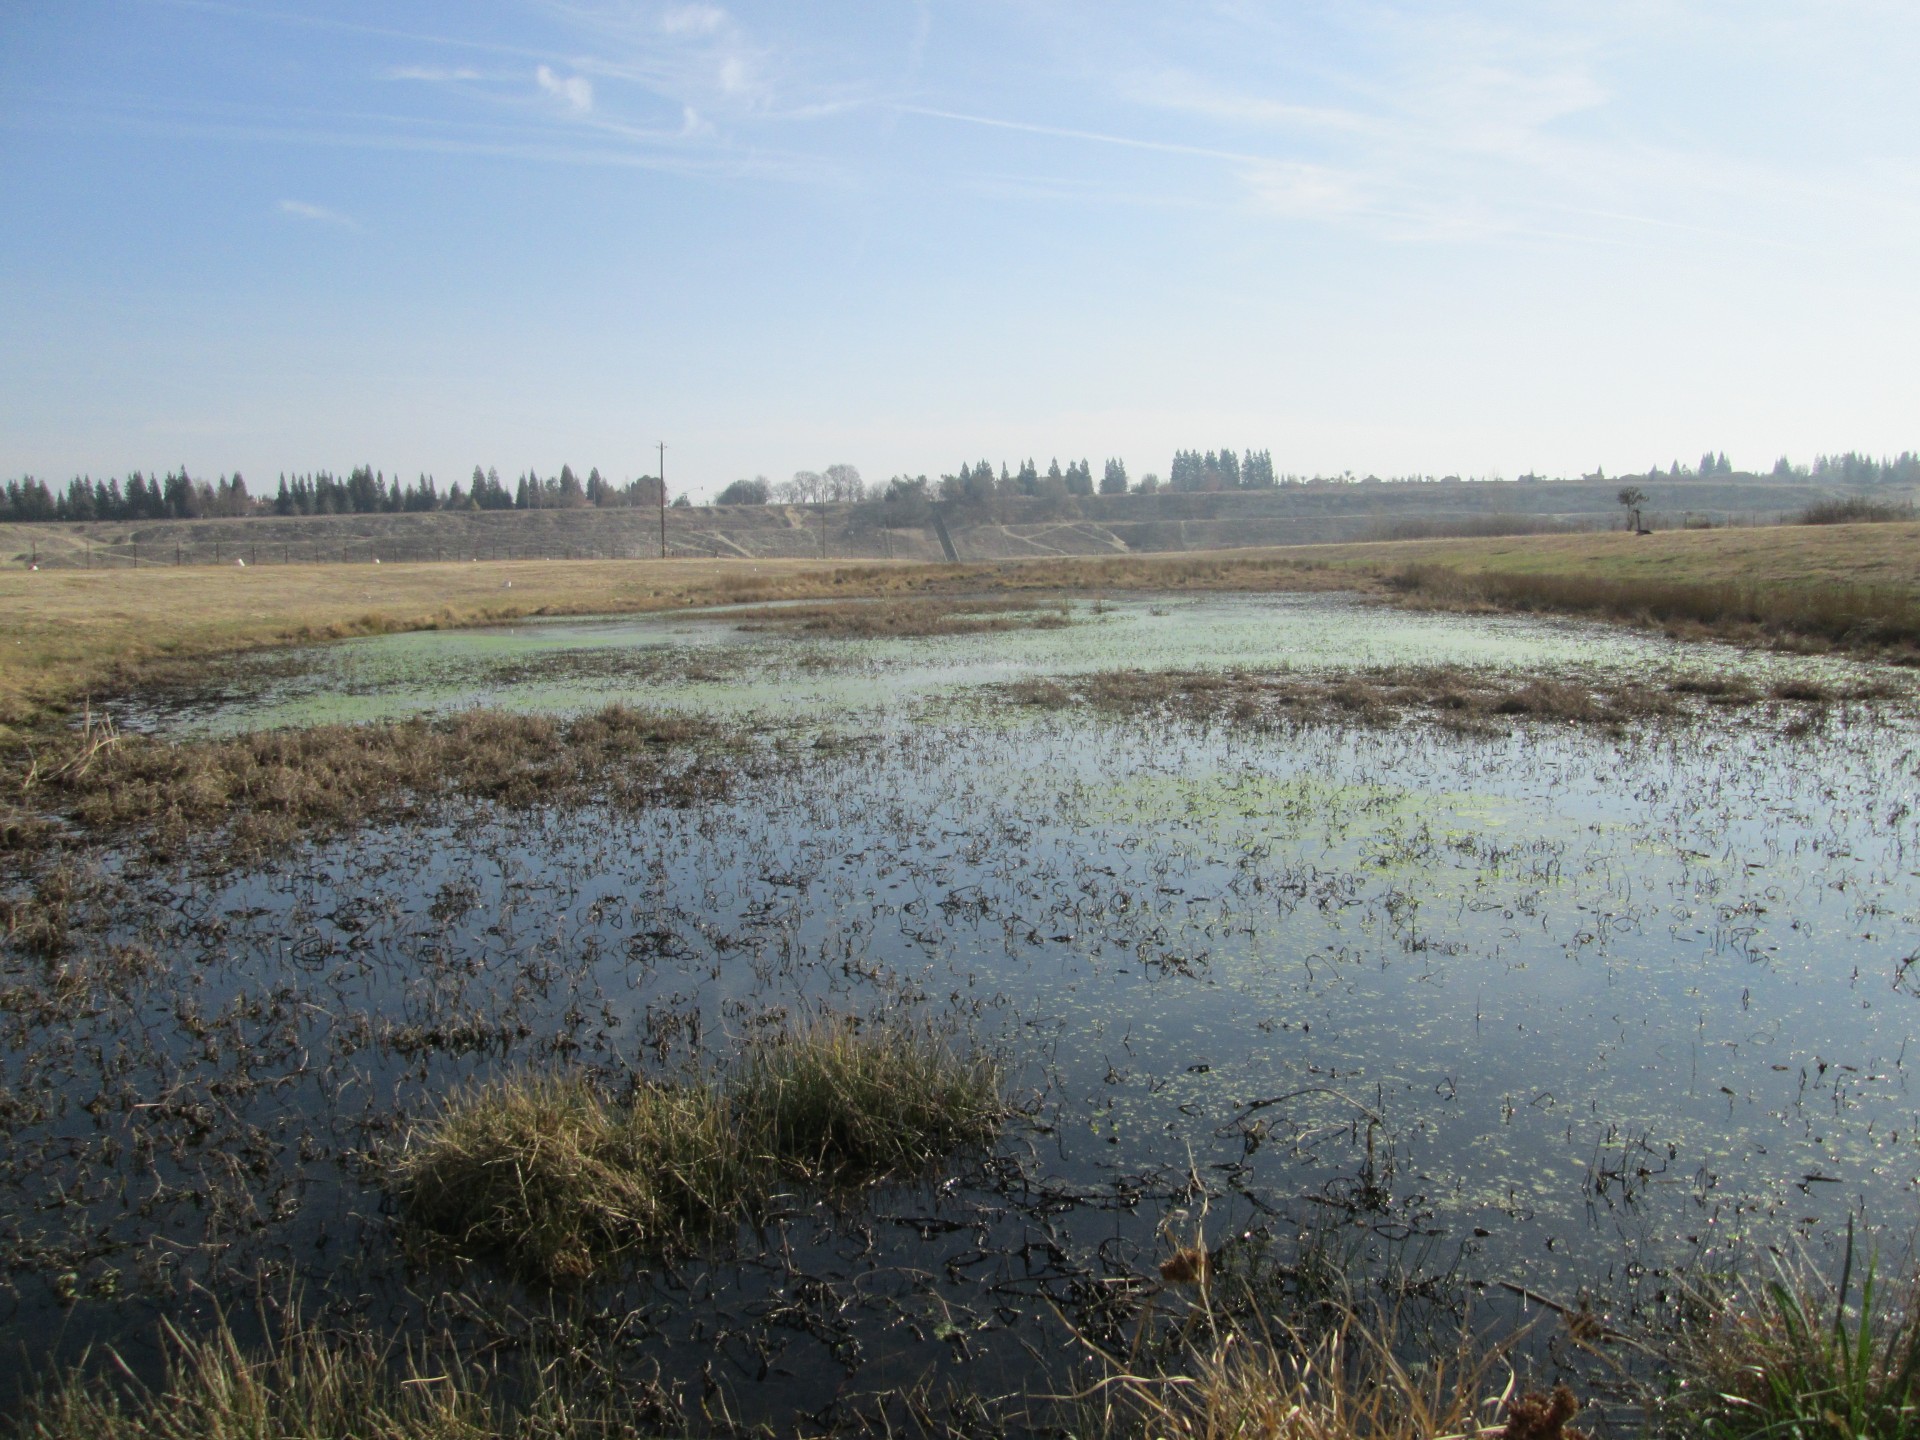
[177, 496]
[364, 491]
[977, 484]
[1853, 468]
[1221, 470]
[1856, 469]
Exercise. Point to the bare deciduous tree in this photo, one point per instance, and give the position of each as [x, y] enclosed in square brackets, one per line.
[1632, 497]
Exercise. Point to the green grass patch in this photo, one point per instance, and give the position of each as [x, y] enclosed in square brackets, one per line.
[1801, 1358]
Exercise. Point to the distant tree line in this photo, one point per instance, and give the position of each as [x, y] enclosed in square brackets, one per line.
[976, 485]
[1856, 469]
[174, 496]
[1852, 468]
[363, 491]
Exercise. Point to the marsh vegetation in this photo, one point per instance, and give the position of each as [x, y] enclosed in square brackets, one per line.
[1209, 1016]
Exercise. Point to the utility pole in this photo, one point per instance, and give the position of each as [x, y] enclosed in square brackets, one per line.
[663, 499]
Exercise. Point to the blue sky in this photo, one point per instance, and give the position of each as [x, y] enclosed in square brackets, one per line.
[271, 235]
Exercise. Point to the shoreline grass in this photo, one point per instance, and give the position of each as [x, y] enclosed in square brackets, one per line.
[309, 1384]
[1803, 1357]
[1794, 1358]
[1345, 1383]
[560, 1181]
[1879, 622]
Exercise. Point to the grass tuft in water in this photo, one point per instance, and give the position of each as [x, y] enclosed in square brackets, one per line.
[552, 1176]
[548, 1174]
[835, 1100]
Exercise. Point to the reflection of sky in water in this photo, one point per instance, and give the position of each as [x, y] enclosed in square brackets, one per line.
[1612, 1000]
[705, 662]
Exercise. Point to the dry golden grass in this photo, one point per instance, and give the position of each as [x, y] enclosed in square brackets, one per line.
[1347, 1382]
[308, 1383]
[1871, 555]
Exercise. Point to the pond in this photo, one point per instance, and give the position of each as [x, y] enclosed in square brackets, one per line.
[709, 661]
[1570, 1011]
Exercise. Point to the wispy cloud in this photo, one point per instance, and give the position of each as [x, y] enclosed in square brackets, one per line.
[1071, 132]
[576, 91]
[434, 74]
[1306, 192]
[1184, 92]
[694, 20]
[303, 210]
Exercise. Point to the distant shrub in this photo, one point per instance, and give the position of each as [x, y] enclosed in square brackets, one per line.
[1854, 510]
[1447, 527]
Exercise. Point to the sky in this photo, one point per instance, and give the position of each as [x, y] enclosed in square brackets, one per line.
[1416, 237]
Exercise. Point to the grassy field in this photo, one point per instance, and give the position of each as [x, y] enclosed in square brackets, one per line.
[1876, 555]
[80, 632]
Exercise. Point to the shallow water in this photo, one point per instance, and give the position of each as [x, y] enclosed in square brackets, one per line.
[704, 661]
[1575, 1012]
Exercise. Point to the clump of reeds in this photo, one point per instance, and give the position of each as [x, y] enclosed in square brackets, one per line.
[561, 1180]
[1549, 699]
[311, 1385]
[1802, 1357]
[835, 1100]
